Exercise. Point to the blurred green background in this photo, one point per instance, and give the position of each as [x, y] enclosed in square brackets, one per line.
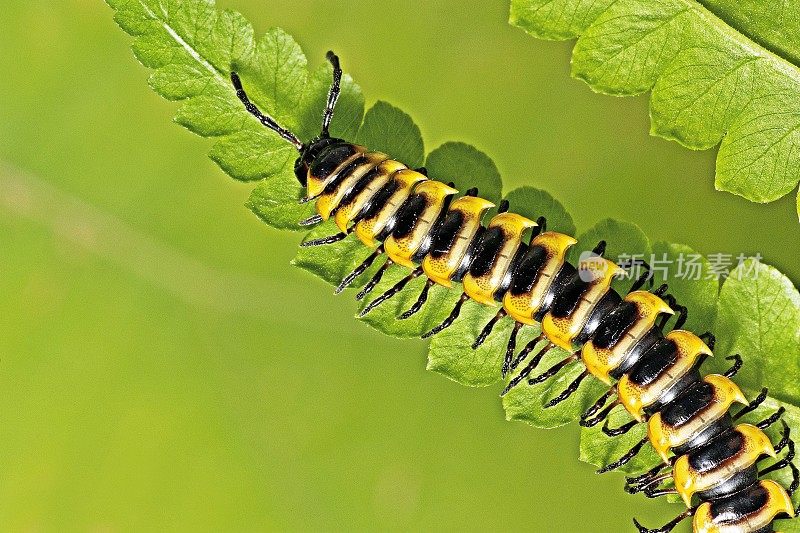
[162, 367]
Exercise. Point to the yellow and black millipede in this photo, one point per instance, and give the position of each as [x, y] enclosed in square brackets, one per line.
[712, 461]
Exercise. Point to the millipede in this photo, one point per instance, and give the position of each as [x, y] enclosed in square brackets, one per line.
[709, 458]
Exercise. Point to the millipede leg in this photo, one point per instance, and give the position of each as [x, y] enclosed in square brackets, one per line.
[735, 367]
[638, 483]
[616, 432]
[649, 484]
[525, 351]
[647, 477]
[785, 438]
[643, 277]
[752, 406]
[590, 412]
[681, 310]
[360, 269]
[397, 287]
[709, 339]
[330, 239]
[541, 227]
[600, 249]
[450, 319]
[423, 297]
[774, 417]
[569, 391]
[510, 348]
[553, 370]
[783, 463]
[310, 221]
[795, 480]
[487, 329]
[683, 315]
[530, 367]
[374, 281]
[669, 526]
[656, 492]
[538, 229]
[785, 441]
[625, 459]
[602, 415]
[662, 322]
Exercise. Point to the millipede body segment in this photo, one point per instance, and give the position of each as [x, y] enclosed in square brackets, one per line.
[513, 263]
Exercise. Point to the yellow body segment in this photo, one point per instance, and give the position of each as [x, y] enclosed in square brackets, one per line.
[367, 230]
[664, 437]
[346, 213]
[635, 398]
[600, 362]
[401, 250]
[522, 307]
[328, 201]
[561, 331]
[441, 269]
[778, 502]
[689, 481]
[316, 184]
[482, 288]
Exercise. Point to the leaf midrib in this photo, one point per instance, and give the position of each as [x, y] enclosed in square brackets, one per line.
[747, 42]
[183, 44]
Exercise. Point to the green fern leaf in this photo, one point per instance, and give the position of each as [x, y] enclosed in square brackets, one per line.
[193, 47]
[720, 71]
[759, 317]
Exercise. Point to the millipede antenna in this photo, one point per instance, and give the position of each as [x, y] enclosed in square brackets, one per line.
[333, 93]
[266, 120]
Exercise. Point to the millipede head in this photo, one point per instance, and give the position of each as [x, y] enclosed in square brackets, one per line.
[308, 154]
